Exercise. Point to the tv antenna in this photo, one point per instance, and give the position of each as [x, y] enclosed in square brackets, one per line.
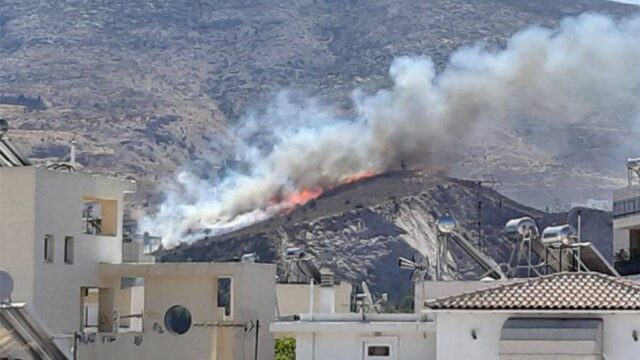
[419, 265]
[492, 182]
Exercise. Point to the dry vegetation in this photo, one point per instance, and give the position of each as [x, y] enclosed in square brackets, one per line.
[147, 86]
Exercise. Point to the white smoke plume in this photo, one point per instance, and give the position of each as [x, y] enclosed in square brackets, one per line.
[587, 70]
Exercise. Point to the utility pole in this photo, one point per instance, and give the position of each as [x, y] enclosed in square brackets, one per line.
[492, 181]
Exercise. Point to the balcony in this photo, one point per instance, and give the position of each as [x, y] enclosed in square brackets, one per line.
[626, 207]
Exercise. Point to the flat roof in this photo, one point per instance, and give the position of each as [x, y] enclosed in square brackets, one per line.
[181, 268]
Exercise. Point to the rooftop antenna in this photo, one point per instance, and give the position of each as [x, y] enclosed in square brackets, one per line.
[6, 287]
[419, 265]
[492, 182]
[446, 224]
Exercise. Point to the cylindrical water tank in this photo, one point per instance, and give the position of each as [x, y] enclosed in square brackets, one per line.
[517, 229]
[558, 235]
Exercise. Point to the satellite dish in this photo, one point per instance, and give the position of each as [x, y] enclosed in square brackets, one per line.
[6, 286]
[446, 224]
[4, 127]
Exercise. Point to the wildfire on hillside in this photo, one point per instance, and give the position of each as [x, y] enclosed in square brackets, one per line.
[305, 195]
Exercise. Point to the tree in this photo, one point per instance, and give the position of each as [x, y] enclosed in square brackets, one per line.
[286, 348]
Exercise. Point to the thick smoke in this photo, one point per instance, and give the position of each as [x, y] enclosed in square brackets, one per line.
[585, 71]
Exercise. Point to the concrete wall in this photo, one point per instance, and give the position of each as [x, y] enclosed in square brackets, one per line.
[194, 285]
[618, 339]
[349, 345]
[454, 340]
[17, 229]
[294, 298]
[35, 202]
[59, 202]
[620, 240]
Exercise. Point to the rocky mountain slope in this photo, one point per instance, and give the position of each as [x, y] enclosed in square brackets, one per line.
[146, 87]
[360, 229]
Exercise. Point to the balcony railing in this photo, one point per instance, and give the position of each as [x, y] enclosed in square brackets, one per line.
[626, 207]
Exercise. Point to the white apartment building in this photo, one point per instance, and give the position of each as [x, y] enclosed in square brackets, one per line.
[61, 242]
[626, 222]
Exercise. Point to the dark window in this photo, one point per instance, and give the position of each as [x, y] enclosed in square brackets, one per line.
[68, 249]
[634, 243]
[379, 350]
[224, 295]
[177, 320]
[48, 248]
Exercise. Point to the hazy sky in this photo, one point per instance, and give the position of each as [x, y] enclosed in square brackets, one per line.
[635, 2]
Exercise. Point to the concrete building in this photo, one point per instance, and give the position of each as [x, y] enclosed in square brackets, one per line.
[223, 311]
[100, 297]
[46, 243]
[626, 222]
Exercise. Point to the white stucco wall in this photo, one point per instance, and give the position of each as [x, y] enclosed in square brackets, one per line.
[35, 202]
[349, 345]
[454, 340]
[294, 298]
[17, 228]
[618, 341]
[59, 202]
[194, 285]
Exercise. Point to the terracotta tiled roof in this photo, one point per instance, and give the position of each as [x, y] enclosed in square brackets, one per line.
[562, 291]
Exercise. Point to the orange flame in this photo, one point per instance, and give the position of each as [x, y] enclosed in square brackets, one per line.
[359, 176]
[303, 196]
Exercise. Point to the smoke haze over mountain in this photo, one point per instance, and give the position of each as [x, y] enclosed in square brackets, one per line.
[583, 72]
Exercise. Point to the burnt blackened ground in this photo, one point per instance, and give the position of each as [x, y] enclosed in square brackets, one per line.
[360, 229]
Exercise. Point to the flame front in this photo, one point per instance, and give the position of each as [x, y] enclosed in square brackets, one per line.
[303, 196]
[359, 176]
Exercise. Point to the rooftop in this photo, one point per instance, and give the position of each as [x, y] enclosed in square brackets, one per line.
[561, 291]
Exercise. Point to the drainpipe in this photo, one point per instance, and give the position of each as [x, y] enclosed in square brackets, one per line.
[311, 299]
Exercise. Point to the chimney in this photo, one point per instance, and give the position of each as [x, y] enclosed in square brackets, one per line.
[326, 292]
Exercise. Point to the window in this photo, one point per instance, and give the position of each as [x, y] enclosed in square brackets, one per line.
[131, 304]
[89, 300]
[68, 249]
[177, 320]
[99, 216]
[224, 295]
[634, 243]
[48, 248]
[379, 350]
